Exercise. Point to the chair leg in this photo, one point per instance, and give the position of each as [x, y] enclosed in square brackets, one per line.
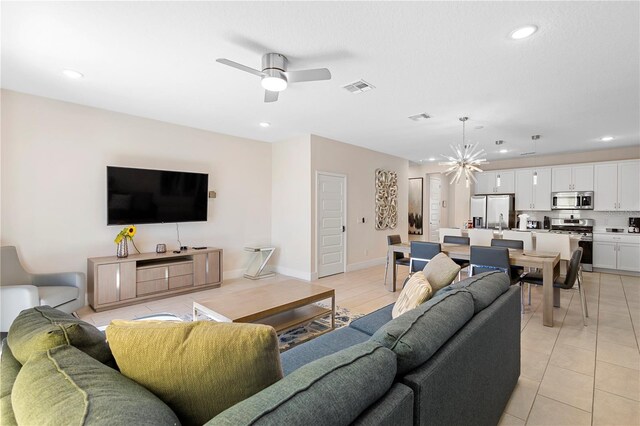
[386, 268]
[583, 299]
[529, 285]
[521, 298]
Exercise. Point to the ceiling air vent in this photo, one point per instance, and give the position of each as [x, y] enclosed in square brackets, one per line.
[358, 87]
[419, 117]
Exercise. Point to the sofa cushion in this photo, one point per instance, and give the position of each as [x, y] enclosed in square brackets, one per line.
[370, 323]
[333, 390]
[416, 291]
[197, 368]
[9, 368]
[484, 288]
[419, 333]
[324, 345]
[63, 385]
[395, 408]
[440, 271]
[57, 295]
[43, 327]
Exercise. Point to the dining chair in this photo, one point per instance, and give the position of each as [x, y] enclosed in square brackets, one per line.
[481, 237]
[421, 253]
[524, 236]
[484, 259]
[454, 239]
[574, 274]
[398, 258]
[456, 232]
[516, 271]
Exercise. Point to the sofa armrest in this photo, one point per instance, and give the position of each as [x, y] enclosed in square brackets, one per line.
[15, 298]
[74, 279]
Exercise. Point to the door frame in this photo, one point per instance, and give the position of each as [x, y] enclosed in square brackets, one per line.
[344, 220]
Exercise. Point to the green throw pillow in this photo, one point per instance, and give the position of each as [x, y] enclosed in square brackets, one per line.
[64, 386]
[199, 369]
[43, 327]
[440, 271]
[9, 369]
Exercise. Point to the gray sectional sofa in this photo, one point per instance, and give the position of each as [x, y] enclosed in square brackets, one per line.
[454, 360]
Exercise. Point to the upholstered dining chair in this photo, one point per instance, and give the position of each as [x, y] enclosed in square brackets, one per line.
[456, 232]
[481, 237]
[524, 236]
[421, 253]
[454, 239]
[516, 271]
[21, 290]
[574, 274]
[398, 258]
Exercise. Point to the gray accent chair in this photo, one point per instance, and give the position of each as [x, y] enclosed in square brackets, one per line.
[21, 290]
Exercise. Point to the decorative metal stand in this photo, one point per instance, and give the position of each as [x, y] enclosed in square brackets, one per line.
[256, 268]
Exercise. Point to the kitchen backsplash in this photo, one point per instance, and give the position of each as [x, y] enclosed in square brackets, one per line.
[602, 219]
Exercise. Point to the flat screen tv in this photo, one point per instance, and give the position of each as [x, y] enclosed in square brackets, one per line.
[136, 196]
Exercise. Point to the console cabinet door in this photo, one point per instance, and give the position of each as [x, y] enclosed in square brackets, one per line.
[115, 282]
[200, 269]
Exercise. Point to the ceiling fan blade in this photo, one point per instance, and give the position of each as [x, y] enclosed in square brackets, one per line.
[240, 67]
[308, 75]
[270, 96]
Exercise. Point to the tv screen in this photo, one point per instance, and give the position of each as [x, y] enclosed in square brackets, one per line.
[136, 196]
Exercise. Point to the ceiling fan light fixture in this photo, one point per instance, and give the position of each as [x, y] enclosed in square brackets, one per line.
[274, 83]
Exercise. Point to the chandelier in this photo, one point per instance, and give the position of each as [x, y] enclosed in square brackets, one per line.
[466, 159]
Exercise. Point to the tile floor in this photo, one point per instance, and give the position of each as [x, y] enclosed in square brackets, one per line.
[571, 374]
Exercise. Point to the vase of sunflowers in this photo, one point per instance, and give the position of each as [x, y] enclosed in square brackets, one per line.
[122, 239]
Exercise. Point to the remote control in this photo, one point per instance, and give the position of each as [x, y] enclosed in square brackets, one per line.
[198, 248]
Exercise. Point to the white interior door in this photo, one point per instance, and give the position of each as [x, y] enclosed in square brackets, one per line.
[434, 208]
[331, 202]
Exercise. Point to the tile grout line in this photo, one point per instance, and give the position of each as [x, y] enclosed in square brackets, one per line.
[595, 361]
[555, 342]
[626, 299]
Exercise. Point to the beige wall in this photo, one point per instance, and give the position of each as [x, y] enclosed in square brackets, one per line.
[291, 206]
[54, 158]
[366, 246]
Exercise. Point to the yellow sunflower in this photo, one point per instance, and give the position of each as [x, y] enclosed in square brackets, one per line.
[131, 231]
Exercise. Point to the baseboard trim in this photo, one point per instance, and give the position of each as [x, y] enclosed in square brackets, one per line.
[306, 276]
[617, 272]
[366, 264]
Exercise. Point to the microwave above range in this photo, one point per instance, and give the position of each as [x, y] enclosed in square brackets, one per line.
[572, 200]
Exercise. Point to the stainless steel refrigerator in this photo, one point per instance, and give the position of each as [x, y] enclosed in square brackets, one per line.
[495, 210]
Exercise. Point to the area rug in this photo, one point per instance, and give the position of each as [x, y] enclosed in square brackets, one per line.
[308, 331]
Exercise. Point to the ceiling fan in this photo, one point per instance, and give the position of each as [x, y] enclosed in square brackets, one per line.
[274, 75]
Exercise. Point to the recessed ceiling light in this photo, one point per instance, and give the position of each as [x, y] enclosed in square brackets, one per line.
[523, 32]
[73, 74]
[606, 138]
[504, 151]
[265, 124]
[432, 159]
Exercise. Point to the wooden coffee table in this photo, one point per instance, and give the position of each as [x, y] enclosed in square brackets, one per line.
[283, 305]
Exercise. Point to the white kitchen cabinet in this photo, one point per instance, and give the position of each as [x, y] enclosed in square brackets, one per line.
[617, 186]
[506, 178]
[488, 182]
[629, 186]
[620, 252]
[572, 178]
[530, 195]
[485, 182]
[605, 255]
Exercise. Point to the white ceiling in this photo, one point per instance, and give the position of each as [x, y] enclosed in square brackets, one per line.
[574, 81]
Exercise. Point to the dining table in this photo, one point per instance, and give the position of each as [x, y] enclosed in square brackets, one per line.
[548, 262]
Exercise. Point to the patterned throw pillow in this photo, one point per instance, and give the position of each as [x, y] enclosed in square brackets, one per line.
[416, 291]
[441, 271]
